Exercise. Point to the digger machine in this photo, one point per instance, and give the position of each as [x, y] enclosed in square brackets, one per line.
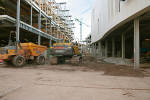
[65, 52]
[18, 54]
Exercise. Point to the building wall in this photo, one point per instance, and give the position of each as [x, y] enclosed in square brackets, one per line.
[110, 14]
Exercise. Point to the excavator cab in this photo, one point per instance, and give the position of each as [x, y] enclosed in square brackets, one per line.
[12, 39]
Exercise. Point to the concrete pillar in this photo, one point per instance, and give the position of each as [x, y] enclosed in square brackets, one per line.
[18, 25]
[136, 44]
[100, 48]
[90, 49]
[106, 48]
[39, 24]
[95, 50]
[113, 47]
[123, 45]
[103, 54]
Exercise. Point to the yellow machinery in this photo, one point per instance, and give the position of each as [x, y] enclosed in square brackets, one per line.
[18, 55]
[26, 51]
[62, 52]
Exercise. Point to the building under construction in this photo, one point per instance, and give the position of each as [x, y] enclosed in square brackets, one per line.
[38, 21]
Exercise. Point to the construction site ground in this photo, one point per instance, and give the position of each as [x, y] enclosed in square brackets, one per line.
[89, 81]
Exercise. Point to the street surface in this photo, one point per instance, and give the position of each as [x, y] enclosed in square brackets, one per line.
[66, 82]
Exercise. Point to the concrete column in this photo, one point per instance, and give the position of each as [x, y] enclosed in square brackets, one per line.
[136, 44]
[95, 48]
[103, 54]
[39, 24]
[106, 48]
[92, 50]
[113, 47]
[18, 25]
[100, 49]
[123, 45]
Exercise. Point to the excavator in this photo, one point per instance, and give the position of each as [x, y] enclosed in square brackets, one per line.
[65, 52]
[18, 54]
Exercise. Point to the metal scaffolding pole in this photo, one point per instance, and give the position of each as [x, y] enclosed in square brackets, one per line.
[42, 5]
[46, 25]
[50, 44]
[45, 6]
[31, 15]
[57, 32]
[80, 31]
[18, 24]
[50, 27]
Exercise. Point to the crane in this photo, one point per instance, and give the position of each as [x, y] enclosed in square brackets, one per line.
[81, 24]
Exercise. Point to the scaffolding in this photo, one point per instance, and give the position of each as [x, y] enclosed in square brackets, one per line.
[44, 18]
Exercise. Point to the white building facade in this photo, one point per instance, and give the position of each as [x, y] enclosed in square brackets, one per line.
[116, 23]
[110, 14]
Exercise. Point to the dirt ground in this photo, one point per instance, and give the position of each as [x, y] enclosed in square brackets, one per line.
[116, 70]
[89, 81]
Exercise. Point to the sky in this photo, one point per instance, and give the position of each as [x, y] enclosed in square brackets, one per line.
[80, 9]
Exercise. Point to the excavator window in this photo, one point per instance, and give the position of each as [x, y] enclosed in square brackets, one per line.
[12, 38]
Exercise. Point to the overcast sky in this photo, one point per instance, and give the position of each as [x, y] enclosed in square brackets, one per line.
[80, 9]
